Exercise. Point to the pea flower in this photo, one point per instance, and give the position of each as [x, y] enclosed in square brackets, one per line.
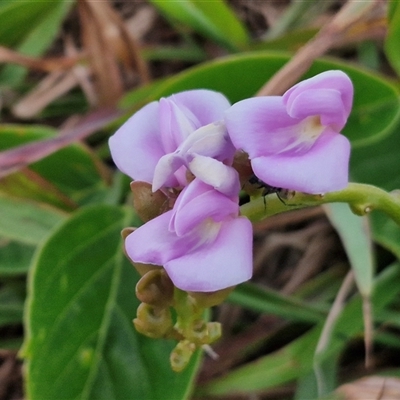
[294, 140]
[203, 243]
[165, 139]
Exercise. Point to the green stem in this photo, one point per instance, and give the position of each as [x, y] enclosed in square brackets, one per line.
[361, 198]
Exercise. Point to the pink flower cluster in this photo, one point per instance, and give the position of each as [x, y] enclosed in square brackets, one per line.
[188, 141]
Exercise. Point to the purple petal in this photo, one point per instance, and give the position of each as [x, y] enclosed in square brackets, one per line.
[324, 168]
[225, 262]
[208, 106]
[211, 140]
[196, 204]
[153, 243]
[337, 80]
[327, 103]
[164, 171]
[176, 124]
[136, 146]
[216, 174]
[261, 126]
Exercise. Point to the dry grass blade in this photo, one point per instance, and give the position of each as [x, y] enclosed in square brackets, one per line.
[49, 89]
[333, 32]
[107, 41]
[21, 156]
[41, 64]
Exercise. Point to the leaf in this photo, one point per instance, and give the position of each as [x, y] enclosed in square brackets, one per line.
[67, 176]
[295, 360]
[376, 100]
[267, 301]
[27, 221]
[354, 233]
[11, 305]
[15, 257]
[290, 41]
[379, 165]
[214, 20]
[23, 225]
[392, 42]
[80, 338]
[38, 23]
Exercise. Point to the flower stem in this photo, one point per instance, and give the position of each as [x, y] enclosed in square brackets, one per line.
[361, 198]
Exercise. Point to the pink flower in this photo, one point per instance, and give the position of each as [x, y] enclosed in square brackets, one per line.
[164, 139]
[203, 243]
[294, 140]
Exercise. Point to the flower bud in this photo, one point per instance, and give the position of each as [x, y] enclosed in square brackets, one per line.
[154, 322]
[155, 288]
[181, 355]
[206, 333]
[147, 204]
[211, 299]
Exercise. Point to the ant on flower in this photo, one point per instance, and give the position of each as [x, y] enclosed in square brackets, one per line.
[282, 194]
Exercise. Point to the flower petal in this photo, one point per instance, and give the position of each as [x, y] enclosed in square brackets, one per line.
[261, 126]
[333, 79]
[216, 174]
[153, 243]
[225, 262]
[176, 124]
[136, 146]
[199, 202]
[164, 171]
[327, 103]
[207, 105]
[324, 168]
[211, 140]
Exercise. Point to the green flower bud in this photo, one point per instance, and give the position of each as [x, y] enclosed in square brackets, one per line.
[181, 355]
[205, 333]
[152, 321]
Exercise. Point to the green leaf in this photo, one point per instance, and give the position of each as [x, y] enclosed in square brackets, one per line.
[214, 20]
[15, 257]
[386, 232]
[267, 301]
[11, 305]
[27, 221]
[295, 360]
[23, 225]
[29, 27]
[80, 338]
[290, 41]
[379, 164]
[354, 233]
[65, 178]
[392, 42]
[376, 100]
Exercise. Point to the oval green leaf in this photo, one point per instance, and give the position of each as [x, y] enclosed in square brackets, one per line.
[376, 100]
[81, 342]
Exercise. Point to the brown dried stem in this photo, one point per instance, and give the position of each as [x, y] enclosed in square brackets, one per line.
[332, 33]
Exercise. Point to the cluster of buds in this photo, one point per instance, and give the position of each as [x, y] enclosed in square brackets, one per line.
[158, 297]
[182, 153]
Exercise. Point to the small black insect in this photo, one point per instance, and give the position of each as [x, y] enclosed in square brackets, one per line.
[268, 189]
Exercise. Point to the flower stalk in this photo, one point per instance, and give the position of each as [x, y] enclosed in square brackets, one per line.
[362, 199]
